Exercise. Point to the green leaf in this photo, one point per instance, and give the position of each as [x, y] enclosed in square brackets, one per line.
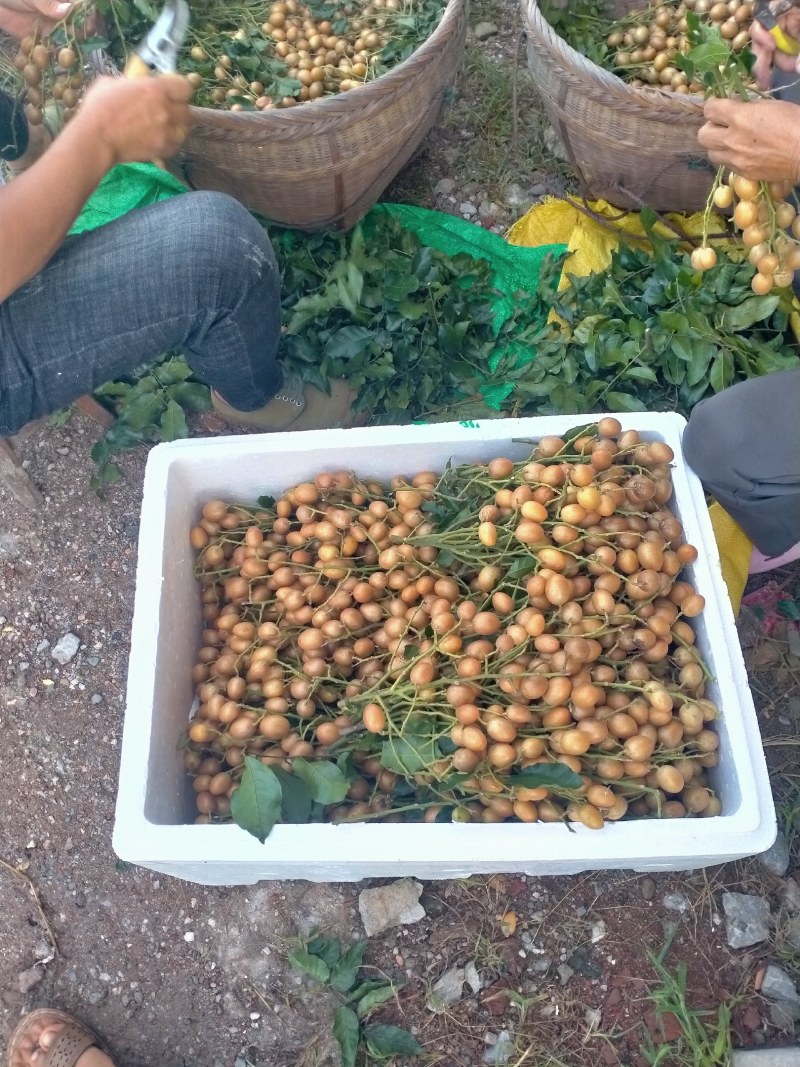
[383, 1042]
[720, 367]
[100, 452]
[106, 474]
[326, 783]
[173, 422]
[295, 797]
[329, 949]
[408, 755]
[256, 804]
[344, 976]
[349, 285]
[373, 999]
[750, 311]
[346, 1030]
[362, 989]
[552, 775]
[708, 57]
[790, 609]
[348, 342]
[143, 411]
[308, 964]
[192, 396]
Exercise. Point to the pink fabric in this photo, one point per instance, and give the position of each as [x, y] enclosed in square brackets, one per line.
[759, 563]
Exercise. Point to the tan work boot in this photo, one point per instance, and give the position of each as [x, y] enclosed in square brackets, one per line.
[296, 406]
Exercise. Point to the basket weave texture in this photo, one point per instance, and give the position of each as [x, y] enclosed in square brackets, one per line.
[323, 165]
[627, 145]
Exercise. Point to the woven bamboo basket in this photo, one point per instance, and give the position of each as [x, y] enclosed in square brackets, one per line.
[629, 146]
[323, 165]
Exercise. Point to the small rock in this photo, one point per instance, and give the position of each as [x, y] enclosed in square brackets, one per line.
[783, 1014]
[472, 978]
[484, 30]
[791, 932]
[593, 1017]
[746, 919]
[96, 698]
[552, 142]
[776, 858]
[446, 991]
[468, 209]
[390, 905]
[501, 1051]
[92, 660]
[777, 985]
[28, 979]
[582, 963]
[43, 645]
[80, 899]
[565, 972]
[791, 895]
[96, 996]
[537, 190]
[773, 1057]
[10, 550]
[444, 187]
[598, 931]
[676, 902]
[66, 648]
[42, 950]
[647, 887]
[515, 195]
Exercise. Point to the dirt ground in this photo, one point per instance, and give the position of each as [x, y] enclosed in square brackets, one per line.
[178, 975]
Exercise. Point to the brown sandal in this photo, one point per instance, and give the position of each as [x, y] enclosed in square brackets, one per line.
[70, 1043]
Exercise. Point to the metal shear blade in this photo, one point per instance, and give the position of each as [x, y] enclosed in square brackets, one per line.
[159, 50]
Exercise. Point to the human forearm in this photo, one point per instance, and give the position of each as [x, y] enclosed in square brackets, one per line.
[39, 206]
[119, 121]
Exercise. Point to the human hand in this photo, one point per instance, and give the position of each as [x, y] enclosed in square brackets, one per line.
[766, 50]
[758, 139]
[20, 17]
[138, 120]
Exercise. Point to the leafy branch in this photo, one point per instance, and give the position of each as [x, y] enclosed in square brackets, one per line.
[325, 960]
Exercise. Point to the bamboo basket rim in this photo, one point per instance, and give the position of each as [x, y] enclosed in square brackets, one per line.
[327, 110]
[544, 39]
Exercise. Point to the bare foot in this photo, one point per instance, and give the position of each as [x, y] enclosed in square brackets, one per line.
[32, 1050]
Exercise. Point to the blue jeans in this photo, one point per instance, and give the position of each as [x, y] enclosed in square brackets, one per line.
[194, 274]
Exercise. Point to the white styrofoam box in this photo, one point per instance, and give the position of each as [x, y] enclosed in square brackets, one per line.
[155, 807]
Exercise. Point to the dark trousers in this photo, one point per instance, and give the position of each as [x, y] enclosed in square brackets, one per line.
[744, 444]
[194, 274]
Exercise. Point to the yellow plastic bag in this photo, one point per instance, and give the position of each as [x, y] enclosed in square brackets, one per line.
[589, 242]
[735, 549]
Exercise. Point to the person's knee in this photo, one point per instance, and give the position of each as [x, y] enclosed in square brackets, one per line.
[229, 249]
[709, 441]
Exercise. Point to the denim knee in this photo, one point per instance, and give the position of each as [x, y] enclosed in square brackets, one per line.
[708, 442]
[219, 243]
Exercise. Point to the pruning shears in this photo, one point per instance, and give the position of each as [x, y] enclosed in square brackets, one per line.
[159, 50]
[768, 14]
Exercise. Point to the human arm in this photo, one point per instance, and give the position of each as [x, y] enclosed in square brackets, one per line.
[758, 139]
[119, 121]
